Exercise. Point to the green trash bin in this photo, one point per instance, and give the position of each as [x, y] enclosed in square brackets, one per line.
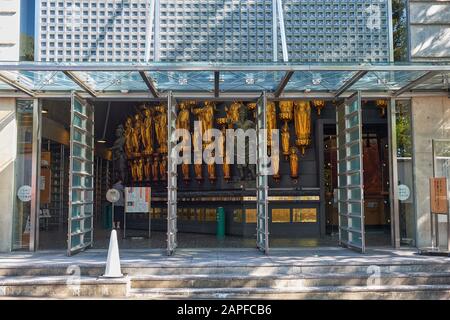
[220, 218]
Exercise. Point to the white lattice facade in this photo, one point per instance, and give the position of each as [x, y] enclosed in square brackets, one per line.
[212, 30]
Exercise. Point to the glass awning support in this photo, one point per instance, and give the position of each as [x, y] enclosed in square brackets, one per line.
[15, 84]
[149, 83]
[283, 83]
[83, 85]
[415, 83]
[348, 84]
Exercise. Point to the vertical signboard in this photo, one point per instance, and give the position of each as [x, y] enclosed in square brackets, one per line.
[350, 174]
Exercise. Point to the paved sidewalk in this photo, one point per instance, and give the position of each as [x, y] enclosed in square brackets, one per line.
[221, 257]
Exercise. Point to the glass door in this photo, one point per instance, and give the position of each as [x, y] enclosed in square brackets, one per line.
[350, 177]
[172, 177]
[81, 189]
[262, 224]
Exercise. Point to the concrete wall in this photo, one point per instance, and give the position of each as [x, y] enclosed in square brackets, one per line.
[431, 120]
[430, 30]
[8, 145]
[9, 30]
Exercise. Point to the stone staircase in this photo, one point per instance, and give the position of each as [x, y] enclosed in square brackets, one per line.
[350, 280]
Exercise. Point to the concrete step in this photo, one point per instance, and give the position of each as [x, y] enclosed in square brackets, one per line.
[418, 292]
[96, 270]
[63, 286]
[287, 281]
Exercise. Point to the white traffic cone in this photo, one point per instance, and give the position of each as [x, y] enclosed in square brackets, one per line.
[113, 261]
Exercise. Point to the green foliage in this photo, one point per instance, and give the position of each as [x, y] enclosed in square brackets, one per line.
[400, 31]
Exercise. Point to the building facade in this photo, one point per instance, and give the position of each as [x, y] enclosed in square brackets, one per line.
[335, 49]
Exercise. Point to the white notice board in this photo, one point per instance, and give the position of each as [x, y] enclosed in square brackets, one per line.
[137, 199]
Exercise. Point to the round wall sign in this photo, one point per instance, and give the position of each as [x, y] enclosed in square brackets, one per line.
[113, 195]
[24, 193]
[403, 192]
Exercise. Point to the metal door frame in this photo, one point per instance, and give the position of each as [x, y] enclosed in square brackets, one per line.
[262, 205]
[70, 250]
[171, 177]
[348, 171]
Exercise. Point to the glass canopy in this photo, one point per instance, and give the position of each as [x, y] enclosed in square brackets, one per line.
[120, 78]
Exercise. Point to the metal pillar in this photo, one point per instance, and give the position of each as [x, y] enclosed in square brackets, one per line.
[171, 177]
[393, 176]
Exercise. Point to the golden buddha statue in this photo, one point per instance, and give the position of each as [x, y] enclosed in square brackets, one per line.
[198, 172]
[161, 128]
[134, 170]
[128, 137]
[148, 169]
[271, 122]
[211, 172]
[136, 135]
[302, 121]
[233, 112]
[286, 114]
[184, 122]
[163, 168]
[140, 170]
[222, 122]
[319, 105]
[252, 106]
[147, 131]
[293, 162]
[155, 168]
[206, 116]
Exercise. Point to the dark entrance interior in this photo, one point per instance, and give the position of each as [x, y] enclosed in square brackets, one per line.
[297, 214]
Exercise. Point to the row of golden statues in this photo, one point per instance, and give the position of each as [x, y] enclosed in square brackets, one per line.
[141, 147]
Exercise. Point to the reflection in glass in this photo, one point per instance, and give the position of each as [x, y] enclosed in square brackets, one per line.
[405, 172]
[23, 167]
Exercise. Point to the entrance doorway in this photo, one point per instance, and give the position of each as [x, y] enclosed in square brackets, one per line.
[295, 196]
[375, 144]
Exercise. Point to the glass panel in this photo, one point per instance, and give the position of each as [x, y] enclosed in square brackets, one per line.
[354, 179]
[113, 81]
[250, 81]
[75, 241]
[76, 226]
[355, 208]
[317, 80]
[405, 173]
[379, 80]
[22, 169]
[79, 122]
[183, 81]
[354, 164]
[354, 194]
[78, 136]
[353, 150]
[352, 136]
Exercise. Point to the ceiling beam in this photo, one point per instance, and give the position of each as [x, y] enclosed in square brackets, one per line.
[149, 82]
[415, 82]
[72, 76]
[216, 83]
[16, 85]
[283, 83]
[350, 82]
